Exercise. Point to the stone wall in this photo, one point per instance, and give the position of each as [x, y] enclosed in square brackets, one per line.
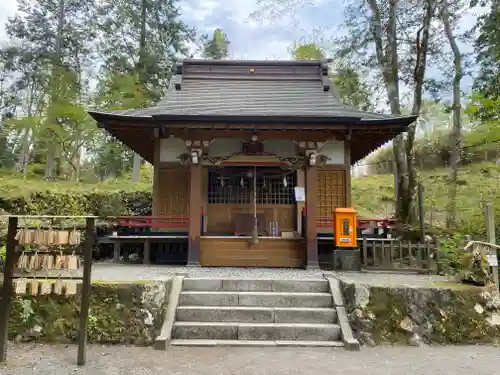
[124, 313]
[417, 316]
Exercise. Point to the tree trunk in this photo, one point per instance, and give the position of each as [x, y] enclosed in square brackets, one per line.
[456, 131]
[136, 169]
[142, 66]
[422, 47]
[51, 151]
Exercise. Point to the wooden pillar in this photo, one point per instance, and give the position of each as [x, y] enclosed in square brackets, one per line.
[6, 305]
[194, 231]
[311, 222]
[347, 164]
[86, 291]
[156, 204]
[116, 251]
[300, 205]
[147, 252]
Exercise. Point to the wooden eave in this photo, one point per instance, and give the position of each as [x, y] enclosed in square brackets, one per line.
[365, 135]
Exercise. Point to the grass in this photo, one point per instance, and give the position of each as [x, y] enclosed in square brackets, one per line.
[478, 184]
[10, 185]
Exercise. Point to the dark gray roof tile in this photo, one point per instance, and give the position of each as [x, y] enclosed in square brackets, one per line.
[222, 88]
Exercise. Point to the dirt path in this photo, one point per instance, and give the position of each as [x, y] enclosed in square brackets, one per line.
[60, 360]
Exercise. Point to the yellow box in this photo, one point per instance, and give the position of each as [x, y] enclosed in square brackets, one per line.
[345, 227]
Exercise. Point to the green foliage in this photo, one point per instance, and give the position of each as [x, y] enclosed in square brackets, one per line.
[487, 46]
[451, 250]
[479, 142]
[307, 51]
[156, 39]
[350, 88]
[216, 48]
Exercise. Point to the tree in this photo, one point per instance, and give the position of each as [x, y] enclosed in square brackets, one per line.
[447, 20]
[487, 44]
[145, 37]
[351, 91]
[116, 91]
[53, 37]
[216, 48]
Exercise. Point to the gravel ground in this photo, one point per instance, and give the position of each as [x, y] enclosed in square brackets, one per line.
[60, 360]
[131, 272]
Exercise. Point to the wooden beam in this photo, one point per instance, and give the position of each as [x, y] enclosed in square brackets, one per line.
[208, 135]
[311, 230]
[10, 260]
[300, 205]
[347, 166]
[194, 231]
[86, 291]
[156, 178]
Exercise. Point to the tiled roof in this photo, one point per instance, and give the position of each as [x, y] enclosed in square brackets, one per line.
[252, 88]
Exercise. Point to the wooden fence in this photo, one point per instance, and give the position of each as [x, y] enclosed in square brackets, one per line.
[392, 254]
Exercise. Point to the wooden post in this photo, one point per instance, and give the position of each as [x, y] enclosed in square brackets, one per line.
[490, 233]
[86, 292]
[147, 252]
[194, 215]
[347, 166]
[311, 223]
[116, 251]
[421, 212]
[300, 205]
[6, 293]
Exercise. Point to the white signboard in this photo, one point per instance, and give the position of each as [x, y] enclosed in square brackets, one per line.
[492, 260]
[300, 194]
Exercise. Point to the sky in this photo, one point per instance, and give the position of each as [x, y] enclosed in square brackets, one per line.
[251, 39]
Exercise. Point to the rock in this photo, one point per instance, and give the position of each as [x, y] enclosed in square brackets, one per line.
[493, 320]
[479, 309]
[366, 339]
[149, 319]
[362, 296]
[356, 314]
[407, 324]
[415, 340]
[492, 300]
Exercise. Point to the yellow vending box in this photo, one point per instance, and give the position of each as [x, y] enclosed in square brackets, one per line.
[345, 227]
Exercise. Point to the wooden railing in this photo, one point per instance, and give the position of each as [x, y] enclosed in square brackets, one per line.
[327, 222]
[392, 254]
[151, 221]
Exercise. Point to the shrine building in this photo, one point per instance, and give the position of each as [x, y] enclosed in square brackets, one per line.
[250, 157]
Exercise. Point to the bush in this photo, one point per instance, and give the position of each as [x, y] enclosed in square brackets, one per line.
[98, 203]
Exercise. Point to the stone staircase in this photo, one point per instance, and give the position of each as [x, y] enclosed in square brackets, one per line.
[223, 312]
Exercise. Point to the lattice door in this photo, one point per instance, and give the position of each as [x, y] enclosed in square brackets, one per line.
[174, 192]
[330, 191]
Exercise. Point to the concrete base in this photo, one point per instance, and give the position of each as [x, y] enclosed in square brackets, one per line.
[347, 259]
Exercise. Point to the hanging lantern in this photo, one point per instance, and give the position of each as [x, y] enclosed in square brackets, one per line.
[285, 182]
[242, 183]
[221, 182]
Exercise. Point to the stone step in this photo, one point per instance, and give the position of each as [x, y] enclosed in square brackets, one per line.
[256, 331]
[256, 314]
[250, 343]
[256, 285]
[258, 299]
